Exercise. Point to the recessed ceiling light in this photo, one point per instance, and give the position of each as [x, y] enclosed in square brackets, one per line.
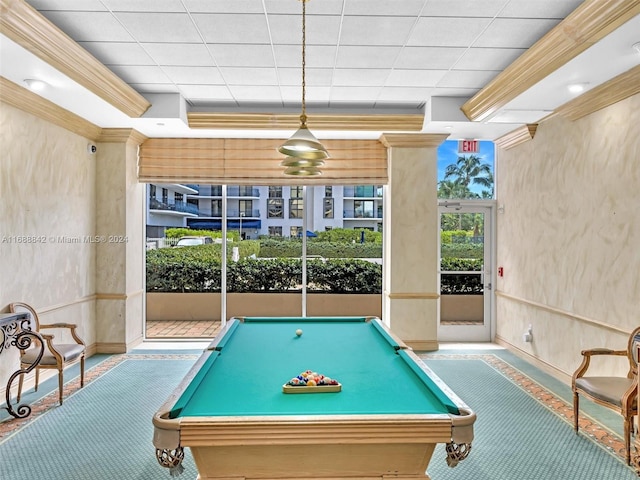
[35, 85]
[636, 47]
[578, 87]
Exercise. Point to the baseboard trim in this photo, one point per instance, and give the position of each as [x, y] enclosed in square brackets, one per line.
[555, 372]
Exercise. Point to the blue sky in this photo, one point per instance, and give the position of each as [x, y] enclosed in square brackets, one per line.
[448, 154]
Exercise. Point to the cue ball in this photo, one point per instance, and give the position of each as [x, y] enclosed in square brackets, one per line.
[298, 332]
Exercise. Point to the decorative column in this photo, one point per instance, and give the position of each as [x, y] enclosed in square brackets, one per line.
[410, 239]
[120, 242]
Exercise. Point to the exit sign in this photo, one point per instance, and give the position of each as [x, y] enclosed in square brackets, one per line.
[468, 146]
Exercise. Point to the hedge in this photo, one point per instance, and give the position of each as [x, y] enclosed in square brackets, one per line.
[274, 275]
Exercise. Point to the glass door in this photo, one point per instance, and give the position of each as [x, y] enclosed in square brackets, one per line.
[466, 246]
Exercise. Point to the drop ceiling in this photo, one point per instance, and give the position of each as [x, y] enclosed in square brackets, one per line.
[363, 57]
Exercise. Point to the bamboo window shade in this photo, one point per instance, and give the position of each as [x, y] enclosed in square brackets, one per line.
[241, 161]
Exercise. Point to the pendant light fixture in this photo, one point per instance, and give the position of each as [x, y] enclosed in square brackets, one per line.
[305, 153]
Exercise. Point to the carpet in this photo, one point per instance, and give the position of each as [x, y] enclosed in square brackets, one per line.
[103, 431]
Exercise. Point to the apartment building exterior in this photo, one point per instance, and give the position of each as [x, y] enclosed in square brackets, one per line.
[263, 210]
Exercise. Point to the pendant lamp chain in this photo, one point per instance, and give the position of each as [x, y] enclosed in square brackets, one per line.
[303, 115]
[305, 154]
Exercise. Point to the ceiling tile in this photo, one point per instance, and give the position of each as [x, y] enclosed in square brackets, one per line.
[90, 26]
[179, 54]
[467, 78]
[144, 5]
[373, 31]
[365, 77]
[205, 92]
[447, 32]
[363, 95]
[436, 58]
[249, 76]
[383, 7]
[514, 32]
[413, 95]
[118, 53]
[367, 57]
[224, 6]
[454, 92]
[540, 8]
[314, 96]
[243, 55]
[415, 78]
[463, 8]
[256, 93]
[225, 28]
[194, 75]
[322, 7]
[314, 76]
[488, 58]
[160, 27]
[68, 5]
[155, 88]
[320, 30]
[140, 74]
[317, 55]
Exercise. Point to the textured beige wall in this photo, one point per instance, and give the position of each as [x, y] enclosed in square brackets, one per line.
[569, 237]
[47, 182]
[410, 246]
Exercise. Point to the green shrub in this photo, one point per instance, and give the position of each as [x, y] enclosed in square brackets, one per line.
[270, 248]
[189, 272]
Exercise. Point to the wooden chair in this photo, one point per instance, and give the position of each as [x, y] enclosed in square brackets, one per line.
[617, 393]
[56, 355]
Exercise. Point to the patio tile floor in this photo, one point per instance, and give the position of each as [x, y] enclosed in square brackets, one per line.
[181, 329]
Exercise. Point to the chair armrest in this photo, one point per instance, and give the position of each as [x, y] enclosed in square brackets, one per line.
[58, 325]
[586, 360]
[70, 326]
[603, 351]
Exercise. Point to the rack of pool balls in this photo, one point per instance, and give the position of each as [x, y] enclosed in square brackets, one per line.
[311, 382]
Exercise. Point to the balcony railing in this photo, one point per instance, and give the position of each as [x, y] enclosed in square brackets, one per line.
[362, 192]
[235, 214]
[357, 214]
[155, 204]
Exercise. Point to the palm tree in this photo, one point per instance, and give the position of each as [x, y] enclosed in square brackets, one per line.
[470, 170]
[452, 189]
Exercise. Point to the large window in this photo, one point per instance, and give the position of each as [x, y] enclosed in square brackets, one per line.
[327, 208]
[275, 231]
[296, 192]
[295, 207]
[275, 192]
[216, 208]
[275, 208]
[363, 208]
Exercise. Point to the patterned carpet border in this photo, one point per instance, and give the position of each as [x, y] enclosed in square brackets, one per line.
[598, 433]
[12, 425]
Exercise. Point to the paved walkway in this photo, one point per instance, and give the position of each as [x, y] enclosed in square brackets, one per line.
[182, 329]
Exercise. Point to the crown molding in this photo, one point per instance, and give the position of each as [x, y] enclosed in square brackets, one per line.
[27, 101]
[121, 135]
[589, 23]
[315, 121]
[618, 88]
[27, 27]
[413, 140]
[517, 136]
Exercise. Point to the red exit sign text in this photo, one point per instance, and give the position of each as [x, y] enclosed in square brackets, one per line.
[468, 146]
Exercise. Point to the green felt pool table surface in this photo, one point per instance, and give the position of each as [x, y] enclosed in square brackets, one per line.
[244, 369]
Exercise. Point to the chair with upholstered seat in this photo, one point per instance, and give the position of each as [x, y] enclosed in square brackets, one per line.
[616, 393]
[57, 355]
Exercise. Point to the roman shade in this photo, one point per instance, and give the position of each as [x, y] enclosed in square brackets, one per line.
[241, 161]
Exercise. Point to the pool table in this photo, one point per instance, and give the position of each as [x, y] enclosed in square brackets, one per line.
[232, 412]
